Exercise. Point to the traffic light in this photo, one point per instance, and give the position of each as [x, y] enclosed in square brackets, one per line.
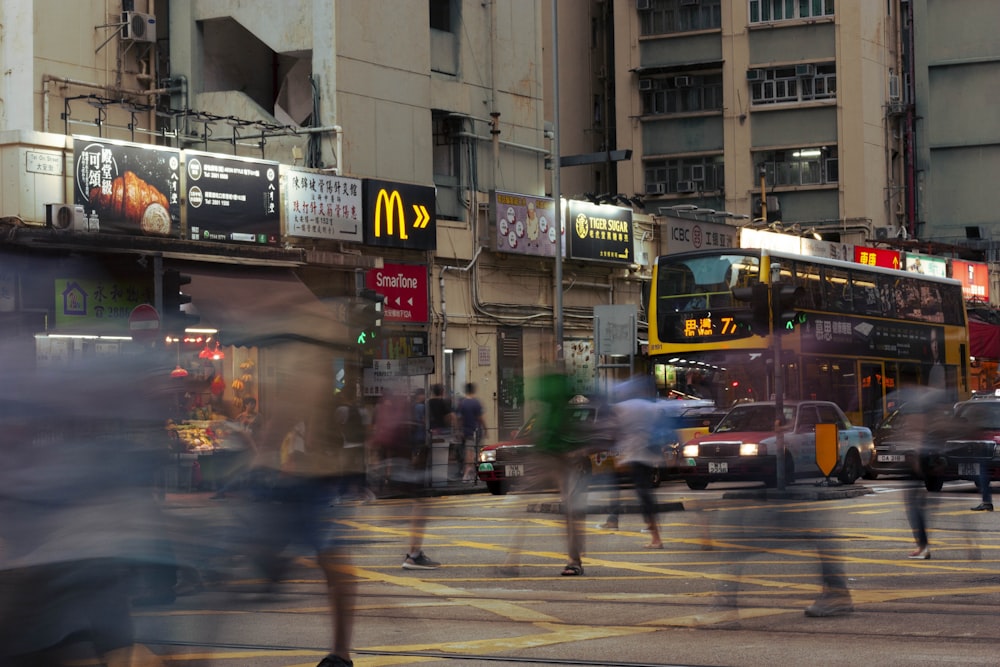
[366, 320]
[784, 301]
[175, 320]
[758, 318]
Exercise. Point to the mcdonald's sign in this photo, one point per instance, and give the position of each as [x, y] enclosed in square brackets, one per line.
[399, 215]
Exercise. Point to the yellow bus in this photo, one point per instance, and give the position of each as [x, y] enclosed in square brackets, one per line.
[860, 331]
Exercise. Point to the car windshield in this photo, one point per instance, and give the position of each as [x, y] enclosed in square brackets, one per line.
[751, 418]
[981, 414]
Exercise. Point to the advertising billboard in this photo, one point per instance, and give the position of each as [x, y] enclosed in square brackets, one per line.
[232, 199]
[525, 224]
[133, 188]
[322, 206]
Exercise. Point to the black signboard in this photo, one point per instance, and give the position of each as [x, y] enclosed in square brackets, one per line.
[133, 188]
[399, 215]
[232, 199]
[599, 232]
[852, 336]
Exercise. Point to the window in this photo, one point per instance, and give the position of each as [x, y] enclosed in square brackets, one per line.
[441, 15]
[681, 94]
[685, 175]
[446, 145]
[783, 84]
[765, 11]
[798, 166]
[671, 16]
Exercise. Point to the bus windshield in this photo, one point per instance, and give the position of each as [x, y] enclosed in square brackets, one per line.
[699, 283]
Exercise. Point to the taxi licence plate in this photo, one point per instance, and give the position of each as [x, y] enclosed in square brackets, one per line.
[718, 467]
[514, 470]
[892, 458]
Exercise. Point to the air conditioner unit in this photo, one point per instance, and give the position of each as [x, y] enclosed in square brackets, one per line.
[687, 186]
[655, 188]
[755, 75]
[66, 217]
[893, 87]
[682, 81]
[698, 173]
[138, 27]
[805, 70]
[643, 5]
[883, 233]
[645, 84]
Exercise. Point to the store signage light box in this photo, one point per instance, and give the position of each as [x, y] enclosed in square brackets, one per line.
[599, 232]
[133, 188]
[400, 215]
[232, 199]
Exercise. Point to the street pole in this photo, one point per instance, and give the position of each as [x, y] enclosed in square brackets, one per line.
[779, 383]
[557, 297]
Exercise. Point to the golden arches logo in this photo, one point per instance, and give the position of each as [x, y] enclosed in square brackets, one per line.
[393, 205]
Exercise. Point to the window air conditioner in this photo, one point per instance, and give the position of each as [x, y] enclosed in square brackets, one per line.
[645, 84]
[686, 186]
[698, 173]
[883, 233]
[772, 205]
[138, 27]
[893, 87]
[682, 81]
[655, 189]
[755, 75]
[805, 70]
[66, 217]
[643, 5]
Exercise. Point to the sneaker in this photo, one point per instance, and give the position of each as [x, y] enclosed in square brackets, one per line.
[830, 606]
[607, 525]
[923, 553]
[420, 562]
[335, 661]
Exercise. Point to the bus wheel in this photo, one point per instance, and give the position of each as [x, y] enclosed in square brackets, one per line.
[851, 469]
[697, 484]
[496, 488]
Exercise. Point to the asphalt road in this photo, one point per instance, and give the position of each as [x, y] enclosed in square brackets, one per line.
[729, 588]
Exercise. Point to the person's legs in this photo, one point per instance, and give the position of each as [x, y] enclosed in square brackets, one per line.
[574, 497]
[641, 479]
[984, 488]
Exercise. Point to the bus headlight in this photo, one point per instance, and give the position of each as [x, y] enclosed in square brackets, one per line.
[690, 451]
[748, 449]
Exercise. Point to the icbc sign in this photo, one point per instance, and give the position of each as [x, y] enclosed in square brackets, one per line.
[399, 215]
[404, 287]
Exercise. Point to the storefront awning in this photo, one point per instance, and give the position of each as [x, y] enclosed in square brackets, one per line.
[984, 340]
[253, 306]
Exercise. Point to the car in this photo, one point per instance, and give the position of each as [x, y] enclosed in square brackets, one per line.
[742, 445]
[901, 437]
[502, 463]
[974, 438]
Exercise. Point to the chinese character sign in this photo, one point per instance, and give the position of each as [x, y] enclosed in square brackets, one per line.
[98, 305]
[599, 232]
[323, 206]
[526, 225]
[232, 199]
[883, 257]
[133, 188]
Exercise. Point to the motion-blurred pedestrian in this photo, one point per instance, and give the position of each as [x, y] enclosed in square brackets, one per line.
[470, 416]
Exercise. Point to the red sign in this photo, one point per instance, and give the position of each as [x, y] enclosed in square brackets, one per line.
[404, 287]
[975, 279]
[144, 322]
[887, 259]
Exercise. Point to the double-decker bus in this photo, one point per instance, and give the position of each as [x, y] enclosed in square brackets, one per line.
[860, 331]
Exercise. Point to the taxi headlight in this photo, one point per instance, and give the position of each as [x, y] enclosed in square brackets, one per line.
[690, 451]
[487, 456]
[748, 449]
